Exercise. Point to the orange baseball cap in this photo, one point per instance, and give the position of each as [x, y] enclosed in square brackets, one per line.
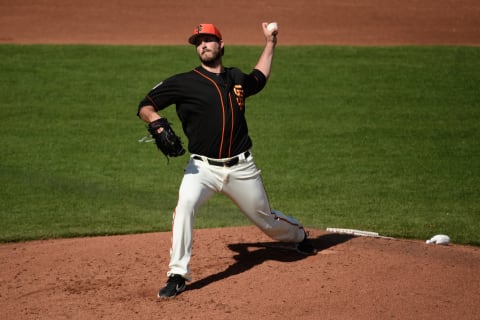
[204, 28]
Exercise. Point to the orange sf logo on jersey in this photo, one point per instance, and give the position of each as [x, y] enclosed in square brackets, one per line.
[240, 96]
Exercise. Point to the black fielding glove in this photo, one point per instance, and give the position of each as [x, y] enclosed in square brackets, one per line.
[167, 141]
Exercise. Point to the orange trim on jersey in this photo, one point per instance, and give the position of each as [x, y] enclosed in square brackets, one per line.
[153, 103]
[223, 108]
[256, 78]
[231, 130]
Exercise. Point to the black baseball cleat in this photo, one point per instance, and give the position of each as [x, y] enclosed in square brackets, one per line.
[306, 247]
[175, 284]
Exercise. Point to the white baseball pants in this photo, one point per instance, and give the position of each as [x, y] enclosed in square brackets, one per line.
[242, 183]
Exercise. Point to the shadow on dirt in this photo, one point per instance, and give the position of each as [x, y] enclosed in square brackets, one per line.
[250, 255]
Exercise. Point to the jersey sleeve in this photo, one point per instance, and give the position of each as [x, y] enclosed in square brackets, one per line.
[254, 82]
[162, 95]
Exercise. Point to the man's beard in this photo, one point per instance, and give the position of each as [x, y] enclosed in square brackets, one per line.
[212, 61]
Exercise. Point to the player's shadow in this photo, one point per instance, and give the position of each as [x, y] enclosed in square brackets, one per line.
[250, 255]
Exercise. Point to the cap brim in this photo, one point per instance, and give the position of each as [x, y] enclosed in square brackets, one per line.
[194, 37]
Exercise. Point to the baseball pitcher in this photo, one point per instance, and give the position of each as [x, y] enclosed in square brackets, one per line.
[210, 102]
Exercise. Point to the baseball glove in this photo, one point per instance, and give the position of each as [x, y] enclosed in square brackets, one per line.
[167, 141]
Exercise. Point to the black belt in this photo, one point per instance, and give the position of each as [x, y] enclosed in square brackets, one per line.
[228, 163]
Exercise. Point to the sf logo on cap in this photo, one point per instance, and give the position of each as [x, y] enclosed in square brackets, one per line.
[199, 28]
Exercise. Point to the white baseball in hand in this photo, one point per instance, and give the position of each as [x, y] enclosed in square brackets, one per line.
[272, 27]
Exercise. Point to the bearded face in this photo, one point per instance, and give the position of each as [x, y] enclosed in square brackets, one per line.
[209, 49]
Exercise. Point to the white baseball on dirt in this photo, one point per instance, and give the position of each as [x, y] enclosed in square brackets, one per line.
[272, 27]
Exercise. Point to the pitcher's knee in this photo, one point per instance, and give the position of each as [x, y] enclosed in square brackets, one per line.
[186, 206]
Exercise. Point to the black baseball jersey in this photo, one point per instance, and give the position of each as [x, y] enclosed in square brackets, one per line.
[211, 108]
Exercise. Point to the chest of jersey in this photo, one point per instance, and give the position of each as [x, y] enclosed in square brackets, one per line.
[211, 108]
[213, 104]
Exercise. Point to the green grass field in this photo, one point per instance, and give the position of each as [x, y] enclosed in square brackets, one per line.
[384, 139]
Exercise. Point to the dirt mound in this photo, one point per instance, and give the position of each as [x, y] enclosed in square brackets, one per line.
[238, 274]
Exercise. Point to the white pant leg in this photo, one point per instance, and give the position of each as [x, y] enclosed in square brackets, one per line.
[245, 187]
[198, 185]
